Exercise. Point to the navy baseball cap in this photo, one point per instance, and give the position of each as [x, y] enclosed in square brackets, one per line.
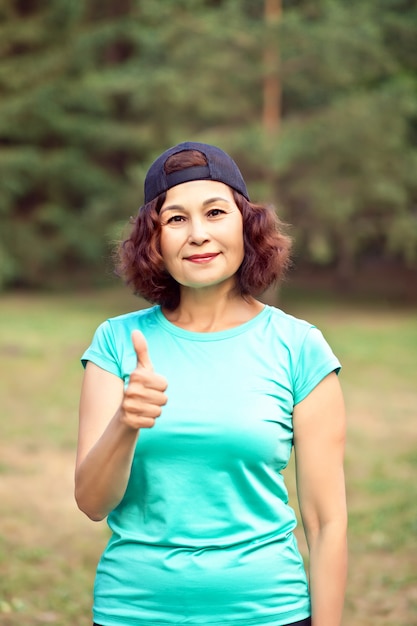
[220, 166]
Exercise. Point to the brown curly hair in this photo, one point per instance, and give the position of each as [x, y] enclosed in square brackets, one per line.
[140, 263]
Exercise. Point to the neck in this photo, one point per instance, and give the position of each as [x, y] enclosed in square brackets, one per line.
[208, 311]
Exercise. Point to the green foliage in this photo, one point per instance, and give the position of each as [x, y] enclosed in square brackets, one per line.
[344, 167]
[91, 91]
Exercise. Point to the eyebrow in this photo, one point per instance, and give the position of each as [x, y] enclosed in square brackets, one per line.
[178, 207]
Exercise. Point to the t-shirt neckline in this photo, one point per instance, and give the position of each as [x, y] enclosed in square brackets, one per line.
[209, 336]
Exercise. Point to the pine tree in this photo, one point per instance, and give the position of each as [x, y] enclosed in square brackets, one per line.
[92, 90]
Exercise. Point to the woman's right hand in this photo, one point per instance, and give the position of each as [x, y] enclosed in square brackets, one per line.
[110, 421]
[144, 396]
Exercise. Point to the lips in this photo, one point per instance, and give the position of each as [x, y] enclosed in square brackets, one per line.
[202, 258]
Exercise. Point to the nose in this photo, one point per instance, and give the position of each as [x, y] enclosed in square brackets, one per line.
[198, 233]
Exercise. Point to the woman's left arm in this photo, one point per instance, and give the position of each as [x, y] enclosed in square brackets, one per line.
[319, 442]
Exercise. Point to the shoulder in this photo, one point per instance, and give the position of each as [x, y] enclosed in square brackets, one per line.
[141, 315]
[287, 327]
[312, 358]
[303, 342]
[112, 334]
[131, 321]
[111, 347]
[281, 316]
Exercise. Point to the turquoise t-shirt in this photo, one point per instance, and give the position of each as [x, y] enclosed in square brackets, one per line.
[203, 535]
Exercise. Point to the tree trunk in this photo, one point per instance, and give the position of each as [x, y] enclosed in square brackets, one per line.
[271, 117]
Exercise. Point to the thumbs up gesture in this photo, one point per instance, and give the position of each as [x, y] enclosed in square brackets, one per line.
[144, 396]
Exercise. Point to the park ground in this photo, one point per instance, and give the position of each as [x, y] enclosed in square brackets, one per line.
[48, 549]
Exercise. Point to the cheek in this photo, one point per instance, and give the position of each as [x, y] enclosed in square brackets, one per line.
[170, 247]
[166, 245]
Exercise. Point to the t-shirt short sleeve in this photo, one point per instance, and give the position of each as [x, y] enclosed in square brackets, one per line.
[316, 360]
[102, 350]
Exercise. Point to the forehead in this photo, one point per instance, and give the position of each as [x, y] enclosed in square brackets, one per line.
[198, 191]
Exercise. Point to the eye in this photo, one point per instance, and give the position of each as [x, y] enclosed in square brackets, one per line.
[175, 219]
[215, 212]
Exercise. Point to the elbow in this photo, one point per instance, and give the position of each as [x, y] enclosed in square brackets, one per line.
[94, 516]
[334, 530]
[86, 506]
[91, 513]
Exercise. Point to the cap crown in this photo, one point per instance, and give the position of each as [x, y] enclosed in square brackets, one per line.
[220, 167]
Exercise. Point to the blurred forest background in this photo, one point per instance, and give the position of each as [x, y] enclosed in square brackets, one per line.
[317, 102]
[315, 99]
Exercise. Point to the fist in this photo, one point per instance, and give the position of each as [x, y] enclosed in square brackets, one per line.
[144, 396]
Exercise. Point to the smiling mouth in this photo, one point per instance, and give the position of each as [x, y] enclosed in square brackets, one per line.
[202, 258]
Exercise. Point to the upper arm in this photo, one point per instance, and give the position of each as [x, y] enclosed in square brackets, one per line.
[319, 441]
[101, 396]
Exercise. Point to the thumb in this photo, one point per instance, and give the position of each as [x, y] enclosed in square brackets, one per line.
[141, 349]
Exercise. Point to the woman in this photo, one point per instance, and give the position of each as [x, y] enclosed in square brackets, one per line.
[189, 411]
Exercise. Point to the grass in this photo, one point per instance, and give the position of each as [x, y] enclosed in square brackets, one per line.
[48, 550]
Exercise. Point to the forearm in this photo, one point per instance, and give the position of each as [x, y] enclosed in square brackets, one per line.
[101, 478]
[328, 570]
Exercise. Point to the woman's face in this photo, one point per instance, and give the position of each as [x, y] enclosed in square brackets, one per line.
[201, 234]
